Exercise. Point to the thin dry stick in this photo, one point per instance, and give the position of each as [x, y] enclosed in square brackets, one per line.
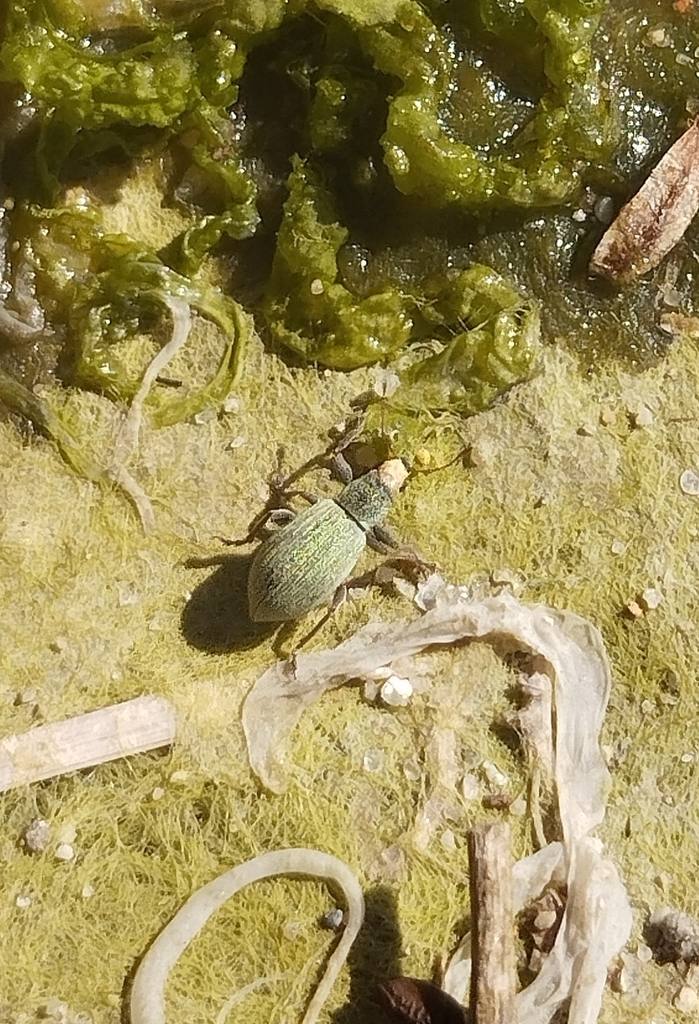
[493, 985]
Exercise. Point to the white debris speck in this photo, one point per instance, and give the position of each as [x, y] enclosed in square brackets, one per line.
[412, 769]
[578, 216]
[64, 851]
[87, 891]
[237, 442]
[373, 760]
[651, 598]
[618, 547]
[37, 835]
[23, 902]
[231, 404]
[385, 383]
[689, 482]
[158, 793]
[448, 840]
[426, 596]
[317, 287]
[687, 1000]
[656, 36]
[204, 417]
[687, 758]
[179, 776]
[396, 692]
[493, 774]
[518, 807]
[470, 787]
[642, 417]
[644, 953]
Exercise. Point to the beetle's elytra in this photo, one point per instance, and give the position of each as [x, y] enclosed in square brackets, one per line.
[302, 565]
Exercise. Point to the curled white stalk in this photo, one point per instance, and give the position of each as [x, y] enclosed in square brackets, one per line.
[148, 991]
[129, 429]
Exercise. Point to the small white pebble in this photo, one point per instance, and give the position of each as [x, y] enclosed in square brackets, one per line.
[470, 787]
[656, 36]
[493, 774]
[37, 835]
[87, 891]
[237, 442]
[317, 287]
[647, 706]
[203, 417]
[578, 216]
[545, 919]
[689, 482]
[604, 209]
[231, 404]
[687, 1000]
[644, 953]
[23, 902]
[332, 919]
[642, 417]
[180, 776]
[687, 758]
[448, 840]
[618, 547]
[158, 793]
[64, 851]
[607, 416]
[396, 692]
[651, 598]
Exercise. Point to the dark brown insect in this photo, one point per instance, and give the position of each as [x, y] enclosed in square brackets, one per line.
[414, 1001]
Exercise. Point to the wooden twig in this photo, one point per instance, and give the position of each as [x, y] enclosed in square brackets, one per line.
[493, 978]
[105, 735]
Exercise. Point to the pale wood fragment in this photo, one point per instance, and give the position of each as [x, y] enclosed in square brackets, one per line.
[105, 735]
[493, 976]
[656, 218]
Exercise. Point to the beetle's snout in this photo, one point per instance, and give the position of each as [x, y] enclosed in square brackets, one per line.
[393, 474]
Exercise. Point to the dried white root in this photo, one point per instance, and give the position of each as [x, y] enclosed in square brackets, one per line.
[127, 436]
[105, 735]
[148, 991]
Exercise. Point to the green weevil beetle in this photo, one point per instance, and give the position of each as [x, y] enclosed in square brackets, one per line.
[304, 564]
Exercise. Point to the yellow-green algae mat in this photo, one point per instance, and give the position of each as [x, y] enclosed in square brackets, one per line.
[573, 497]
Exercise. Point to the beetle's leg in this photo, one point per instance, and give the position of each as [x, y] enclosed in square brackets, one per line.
[338, 598]
[381, 539]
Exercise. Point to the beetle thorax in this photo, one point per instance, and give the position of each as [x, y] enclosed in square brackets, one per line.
[368, 498]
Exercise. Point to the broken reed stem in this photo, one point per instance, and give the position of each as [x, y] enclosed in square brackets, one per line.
[493, 978]
[119, 730]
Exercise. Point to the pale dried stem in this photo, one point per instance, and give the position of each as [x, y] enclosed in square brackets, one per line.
[493, 978]
[105, 735]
